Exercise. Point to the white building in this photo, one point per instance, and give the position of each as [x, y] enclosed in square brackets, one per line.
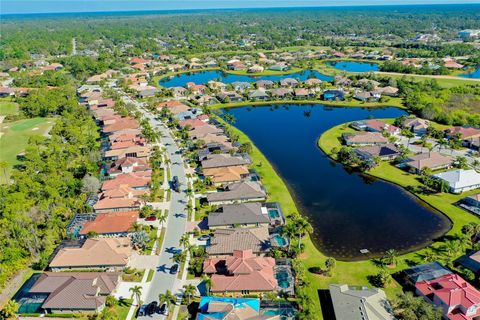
[460, 180]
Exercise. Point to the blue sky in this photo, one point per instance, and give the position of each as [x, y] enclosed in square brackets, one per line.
[41, 6]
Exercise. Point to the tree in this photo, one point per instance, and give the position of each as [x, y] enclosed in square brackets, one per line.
[137, 293]
[461, 162]
[408, 307]
[90, 185]
[330, 264]
[140, 239]
[184, 241]
[110, 301]
[189, 291]
[166, 297]
[390, 257]
[290, 231]
[9, 309]
[162, 218]
[302, 226]
[208, 282]
[4, 166]
[408, 134]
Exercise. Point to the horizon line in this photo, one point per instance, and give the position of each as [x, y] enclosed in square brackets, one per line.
[236, 8]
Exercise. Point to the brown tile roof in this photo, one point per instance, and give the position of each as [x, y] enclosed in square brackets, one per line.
[75, 290]
[245, 190]
[138, 150]
[465, 132]
[223, 160]
[226, 174]
[364, 138]
[102, 252]
[126, 123]
[225, 241]
[202, 131]
[114, 222]
[430, 160]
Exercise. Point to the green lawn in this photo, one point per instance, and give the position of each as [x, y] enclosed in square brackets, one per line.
[14, 137]
[8, 107]
[122, 308]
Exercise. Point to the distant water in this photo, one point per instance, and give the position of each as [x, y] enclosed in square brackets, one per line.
[351, 66]
[349, 211]
[475, 74]
[202, 77]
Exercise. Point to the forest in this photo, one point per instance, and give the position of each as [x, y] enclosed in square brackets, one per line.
[206, 31]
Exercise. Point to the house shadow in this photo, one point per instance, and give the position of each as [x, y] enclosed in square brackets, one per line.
[326, 304]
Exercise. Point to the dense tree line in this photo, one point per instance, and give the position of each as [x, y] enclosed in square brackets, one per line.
[45, 102]
[209, 31]
[46, 192]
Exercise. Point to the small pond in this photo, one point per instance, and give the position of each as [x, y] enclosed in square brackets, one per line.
[348, 211]
[202, 77]
[352, 66]
[475, 74]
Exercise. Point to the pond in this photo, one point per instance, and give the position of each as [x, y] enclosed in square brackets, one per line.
[474, 74]
[202, 77]
[348, 211]
[351, 66]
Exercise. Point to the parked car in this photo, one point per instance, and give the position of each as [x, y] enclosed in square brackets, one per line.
[151, 218]
[163, 309]
[174, 269]
[175, 184]
[152, 308]
[142, 310]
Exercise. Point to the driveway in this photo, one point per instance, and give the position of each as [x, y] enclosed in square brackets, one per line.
[139, 261]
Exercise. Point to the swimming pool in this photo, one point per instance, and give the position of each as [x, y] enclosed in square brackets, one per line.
[279, 241]
[283, 279]
[273, 213]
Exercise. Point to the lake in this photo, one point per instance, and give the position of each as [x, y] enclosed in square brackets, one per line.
[474, 74]
[351, 66]
[348, 211]
[202, 77]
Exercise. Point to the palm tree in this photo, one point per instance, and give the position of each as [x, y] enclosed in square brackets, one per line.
[408, 134]
[166, 297]
[137, 292]
[162, 218]
[391, 257]
[4, 166]
[302, 227]
[290, 231]
[429, 256]
[208, 282]
[185, 241]
[452, 247]
[189, 290]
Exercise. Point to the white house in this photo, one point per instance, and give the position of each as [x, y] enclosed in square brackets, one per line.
[460, 180]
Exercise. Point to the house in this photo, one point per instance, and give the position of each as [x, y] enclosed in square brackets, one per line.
[223, 160]
[227, 96]
[229, 174]
[303, 93]
[374, 125]
[424, 272]
[342, 81]
[383, 152]
[243, 272]
[279, 67]
[255, 69]
[121, 199]
[281, 92]
[237, 192]
[458, 299]
[264, 84]
[460, 180]
[367, 96]
[312, 82]
[226, 241]
[135, 151]
[101, 253]
[471, 261]
[251, 214]
[133, 180]
[431, 160]
[174, 106]
[364, 138]
[73, 292]
[466, 134]
[241, 85]
[225, 308]
[416, 125]
[193, 123]
[258, 94]
[388, 91]
[199, 133]
[111, 224]
[360, 303]
[333, 95]
[473, 200]
[288, 82]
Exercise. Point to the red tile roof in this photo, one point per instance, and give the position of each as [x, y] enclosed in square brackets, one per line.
[115, 222]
